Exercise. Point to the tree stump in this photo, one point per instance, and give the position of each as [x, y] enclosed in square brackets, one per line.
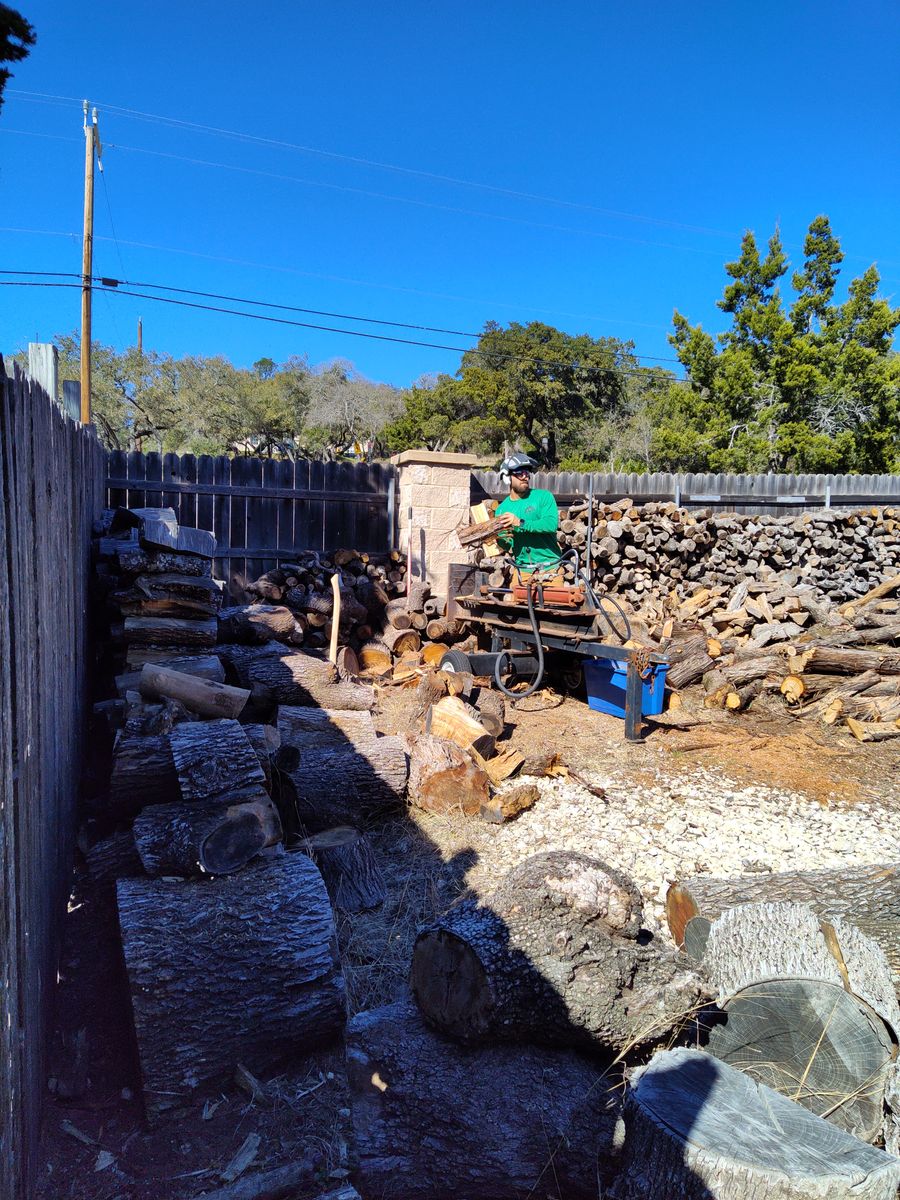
[443, 778]
[293, 677]
[552, 956]
[241, 968]
[212, 837]
[349, 867]
[432, 1119]
[697, 1129]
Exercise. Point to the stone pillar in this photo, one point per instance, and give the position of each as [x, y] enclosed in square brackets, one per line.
[433, 499]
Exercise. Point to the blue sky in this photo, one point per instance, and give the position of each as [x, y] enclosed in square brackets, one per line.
[619, 151]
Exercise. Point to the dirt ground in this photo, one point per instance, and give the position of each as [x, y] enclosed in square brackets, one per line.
[96, 1145]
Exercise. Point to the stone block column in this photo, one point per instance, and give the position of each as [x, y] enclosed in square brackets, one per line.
[432, 499]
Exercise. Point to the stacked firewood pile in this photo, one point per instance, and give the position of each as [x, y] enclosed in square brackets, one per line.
[789, 647]
[644, 551]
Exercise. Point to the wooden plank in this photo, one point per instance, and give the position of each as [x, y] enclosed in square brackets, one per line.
[238, 532]
[206, 504]
[258, 528]
[117, 467]
[222, 520]
[284, 477]
[171, 474]
[187, 500]
[315, 530]
[135, 474]
[154, 474]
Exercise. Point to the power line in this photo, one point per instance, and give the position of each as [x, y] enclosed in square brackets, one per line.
[119, 283]
[378, 337]
[237, 135]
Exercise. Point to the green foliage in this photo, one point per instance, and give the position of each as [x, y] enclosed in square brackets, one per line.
[151, 401]
[16, 39]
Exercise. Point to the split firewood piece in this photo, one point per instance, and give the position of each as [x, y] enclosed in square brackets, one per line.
[444, 629]
[294, 677]
[547, 958]
[317, 728]
[491, 708]
[873, 731]
[838, 692]
[443, 778]
[696, 1127]
[200, 958]
[203, 666]
[501, 766]
[254, 624]
[171, 631]
[401, 641]
[347, 785]
[211, 837]
[349, 867]
[215, 758]
[375, 657]
[505, 805]
[848, 660]
[143, 772]
[451, 718]
[169, 595]
[207, 697]
[132, 560]
[544, 762]
[688, 661]
[480, 512]
[479, 532]
[804, 990]
[426, 1121]
[850, 610]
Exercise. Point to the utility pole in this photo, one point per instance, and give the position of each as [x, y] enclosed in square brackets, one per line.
[91, 140]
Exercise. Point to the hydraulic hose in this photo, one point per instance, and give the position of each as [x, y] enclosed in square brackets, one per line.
[504, 654]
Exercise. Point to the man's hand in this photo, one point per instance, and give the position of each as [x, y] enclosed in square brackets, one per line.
[509, 520]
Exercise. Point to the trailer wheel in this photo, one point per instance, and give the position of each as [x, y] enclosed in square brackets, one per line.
[455, 661]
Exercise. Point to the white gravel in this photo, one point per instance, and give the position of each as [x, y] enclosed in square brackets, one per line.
[703, 823]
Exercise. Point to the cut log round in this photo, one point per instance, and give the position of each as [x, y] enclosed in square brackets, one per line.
[242, 968]
[443, 778]
[296, 678]
[432, 653]
[397, 614]
[254, 624]
[401, 641]
[143, 772]
[548, 957]
[432, 1119]
[698, 1129]
[349, 867]
[374, 656]
[207, 697]
[212, 837]
[867, 897]
[215, 758]
[444, 629]
[316, 728]
[347, 785]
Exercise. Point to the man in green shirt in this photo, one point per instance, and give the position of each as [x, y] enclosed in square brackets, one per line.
[531, 516]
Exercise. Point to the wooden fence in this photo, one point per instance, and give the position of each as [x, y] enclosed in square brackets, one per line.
[261, 510]
[737, 493]
[51, 487]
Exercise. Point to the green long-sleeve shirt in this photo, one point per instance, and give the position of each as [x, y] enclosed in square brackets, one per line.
[534, 542]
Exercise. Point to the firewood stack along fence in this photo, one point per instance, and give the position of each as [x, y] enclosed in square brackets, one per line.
[51, 488]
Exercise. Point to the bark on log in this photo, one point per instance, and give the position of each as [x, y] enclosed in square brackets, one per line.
[349, 867]
[281, 1183]
[201, 666]
[433, 1119]
[480, 532]
[443, 778]
[243, 968]
[296, 678]
[215, 758]
[346, 785]
[452, 720]
[115, 857]
[315, 728]
[255, 624]
[551, 957]
[133, 560]
[213, 837]
[170, 631]
[688, 661]
[143, 772]
[698, 1129]
[444, 629]
[208, 697]
[397, 614]
[838, 660]
[867, 897]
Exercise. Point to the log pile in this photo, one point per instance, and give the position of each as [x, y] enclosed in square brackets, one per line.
[644, 551]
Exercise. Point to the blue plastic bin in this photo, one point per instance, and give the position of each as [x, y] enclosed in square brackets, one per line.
[605, 679]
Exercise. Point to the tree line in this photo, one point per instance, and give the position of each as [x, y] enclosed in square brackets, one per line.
[808, 385]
